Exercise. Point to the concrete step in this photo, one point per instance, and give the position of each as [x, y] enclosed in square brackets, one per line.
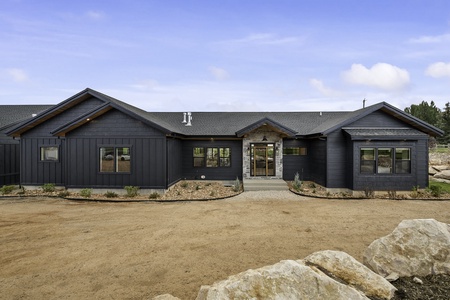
[265, 185]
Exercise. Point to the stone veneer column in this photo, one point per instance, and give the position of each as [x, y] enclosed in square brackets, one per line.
[256, 137]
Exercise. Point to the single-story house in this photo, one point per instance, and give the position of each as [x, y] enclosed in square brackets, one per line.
[92, 140]
[10, 116]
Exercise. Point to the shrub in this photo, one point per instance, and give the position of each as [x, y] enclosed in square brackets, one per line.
[236, 185]
[86, 193]
[109, 194]
[415, 191]
[132, 191]
[435, 190]
[154, 195]
[368, 192]
[212, 194]
[392, 195]
[197, 187]
[297, 184]
[63, 194]
[48, 188]
[184, 185]
[7, 189]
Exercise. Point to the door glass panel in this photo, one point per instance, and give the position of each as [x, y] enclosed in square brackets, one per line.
[262, 161]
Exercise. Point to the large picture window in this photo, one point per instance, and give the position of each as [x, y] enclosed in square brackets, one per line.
[115, 159]
[383, 161]
[212, 157]
[49, 153]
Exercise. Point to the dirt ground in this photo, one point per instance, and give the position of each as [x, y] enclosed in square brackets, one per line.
[58, 249]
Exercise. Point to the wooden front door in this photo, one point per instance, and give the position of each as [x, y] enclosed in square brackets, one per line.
[262, 159]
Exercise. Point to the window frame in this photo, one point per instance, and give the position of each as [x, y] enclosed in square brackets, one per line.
[392, 164]
[115, 158]
[213, 157]
[296, 151]
[42, 153]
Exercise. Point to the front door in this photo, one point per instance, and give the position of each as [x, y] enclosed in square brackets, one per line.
[262, 157]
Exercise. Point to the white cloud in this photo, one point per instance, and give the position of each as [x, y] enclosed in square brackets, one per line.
[219, 73]
[320, 86]
[17, 75]
[148, 84]
[95, 15]
[382, 76]
[439, 69]
[430, 39]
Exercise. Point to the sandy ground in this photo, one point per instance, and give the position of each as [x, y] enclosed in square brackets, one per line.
[59, 249]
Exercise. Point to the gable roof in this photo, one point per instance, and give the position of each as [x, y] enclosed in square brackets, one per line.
[11, 115]
[221, 124]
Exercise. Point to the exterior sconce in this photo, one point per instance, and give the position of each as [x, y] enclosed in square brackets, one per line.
[264, 139]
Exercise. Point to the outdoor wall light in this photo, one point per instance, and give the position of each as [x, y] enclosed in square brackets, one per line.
[264, 139]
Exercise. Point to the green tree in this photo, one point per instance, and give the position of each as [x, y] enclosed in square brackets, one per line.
[426, 112]
[445, 125]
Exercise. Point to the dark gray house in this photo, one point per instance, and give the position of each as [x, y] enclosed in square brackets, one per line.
[10, 116]
[93, 140]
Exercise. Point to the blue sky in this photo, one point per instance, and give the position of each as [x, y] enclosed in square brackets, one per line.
[227, 55]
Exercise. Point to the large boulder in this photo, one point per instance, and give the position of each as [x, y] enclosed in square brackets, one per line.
[415, 248]
[445, 174]
[287, 279]
[343, 266]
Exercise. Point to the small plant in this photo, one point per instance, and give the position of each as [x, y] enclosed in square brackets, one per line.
[368, 192]
[236, 185]
[392, 195]
[208, 184]
[184, 185]
[178, 193]
[109, 194]
[7, 189]
[197, 187]
[154, 195]
[415, 191]
[86, 193]
[212, 194]
[297, 184]
[435, 190]
[48, 188]
[63, 194]
[132, 191]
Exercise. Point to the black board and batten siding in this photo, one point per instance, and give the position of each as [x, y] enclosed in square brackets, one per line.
[174, 164]
[318, 161]
[293, 164]
[216, 173]
[9, 161]
[116, 129]
[336, 160]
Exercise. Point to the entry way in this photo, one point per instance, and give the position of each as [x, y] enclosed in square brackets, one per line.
[262, 160]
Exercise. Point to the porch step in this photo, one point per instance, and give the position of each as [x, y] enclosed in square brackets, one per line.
[265, 185]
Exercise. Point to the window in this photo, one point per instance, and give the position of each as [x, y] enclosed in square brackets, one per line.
[225, 157]
[199, 157]
[384, 161]
[49, 153]
[368, 160]
[294, 151]
[381, 160]
[402, 160]
[115, 159]
[212, 157]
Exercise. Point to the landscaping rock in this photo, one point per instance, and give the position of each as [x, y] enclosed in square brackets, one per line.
[441, 168]
[287, 279]
[445, 174]
[415, 248]
[349, 270]
[432, 171]
[165, 297]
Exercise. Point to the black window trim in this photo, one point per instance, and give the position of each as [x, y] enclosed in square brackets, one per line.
[115, 146]
[393, 160]
[49, 160]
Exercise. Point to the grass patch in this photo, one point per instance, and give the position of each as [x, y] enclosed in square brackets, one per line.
[442, 186]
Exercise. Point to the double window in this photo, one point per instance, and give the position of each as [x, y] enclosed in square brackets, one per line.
[212, 157]
[294, 151]
[385, 160]
[115, 159]
[49, 153]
